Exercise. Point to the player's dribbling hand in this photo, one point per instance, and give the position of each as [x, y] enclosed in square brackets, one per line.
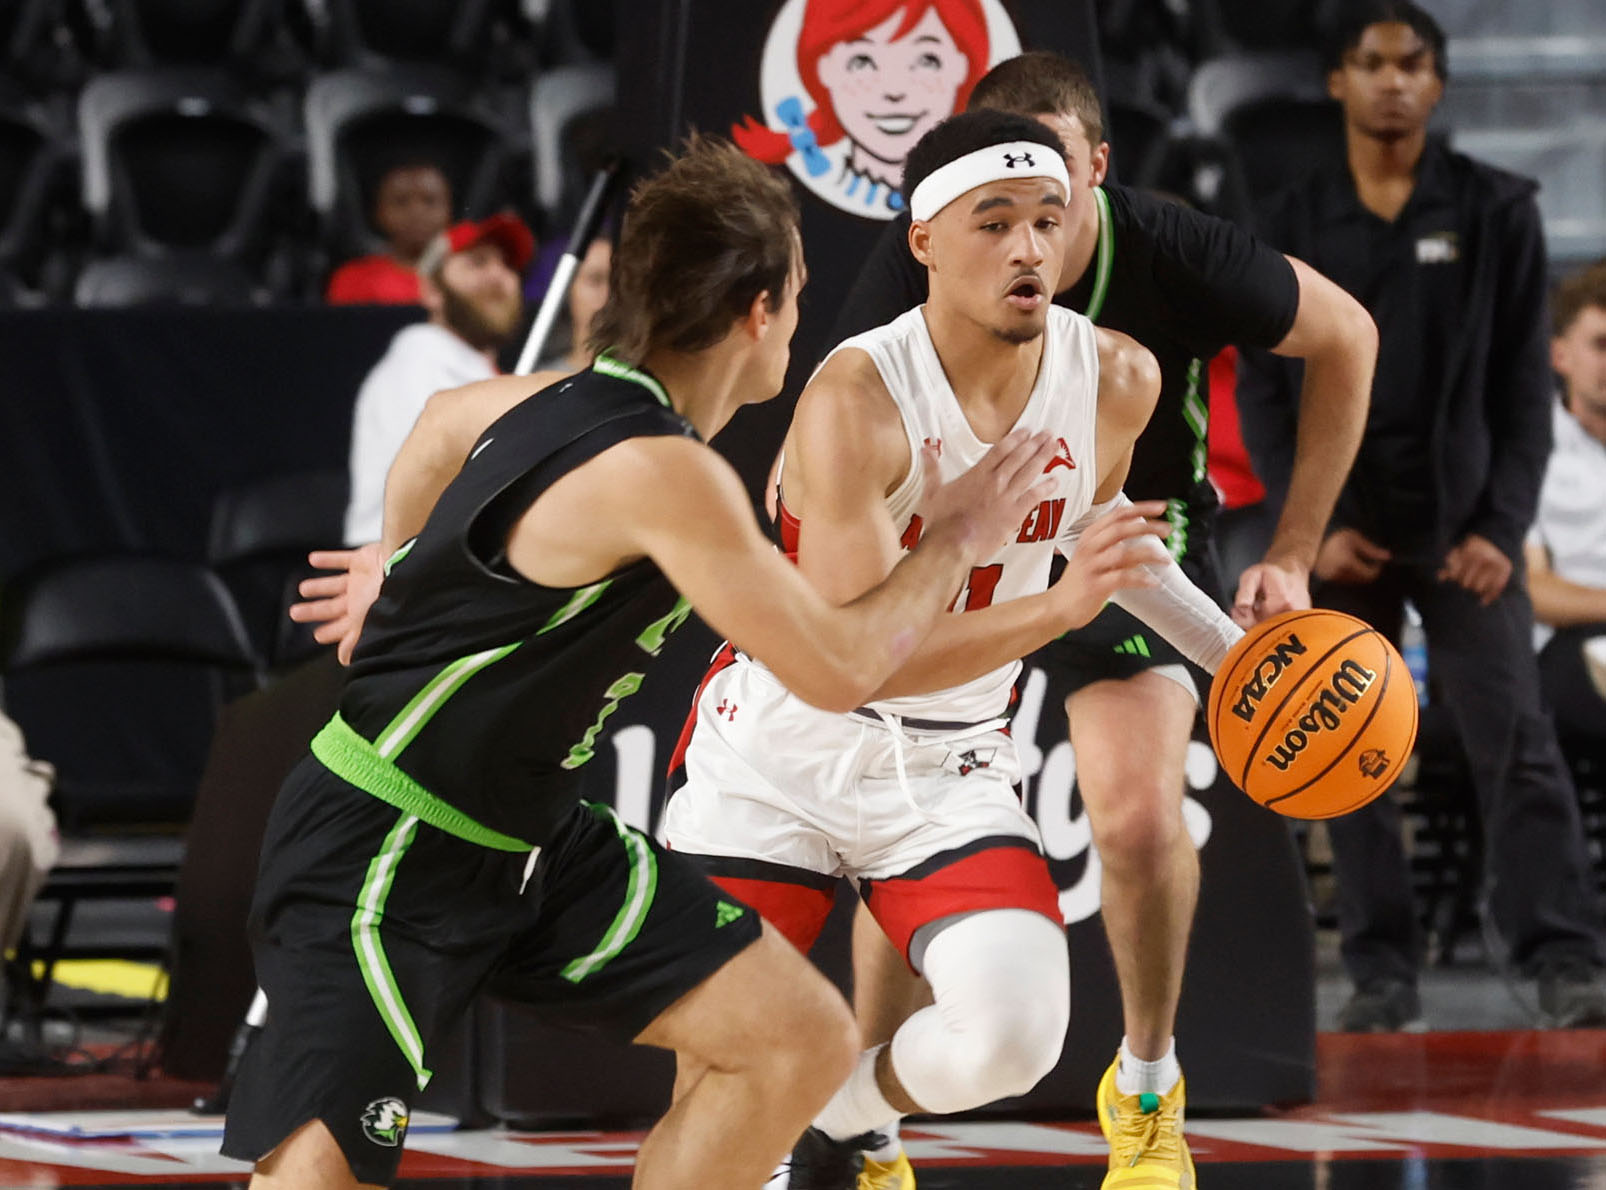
[984, 507]
[338, 603]
[1113, 553]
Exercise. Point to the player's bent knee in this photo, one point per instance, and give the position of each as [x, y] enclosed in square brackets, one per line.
[1010, 1057]
[1141, 831]
[823, 1043]
[809, 1030]
[1002, 985]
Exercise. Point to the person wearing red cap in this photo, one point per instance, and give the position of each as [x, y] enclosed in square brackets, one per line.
[469, 283]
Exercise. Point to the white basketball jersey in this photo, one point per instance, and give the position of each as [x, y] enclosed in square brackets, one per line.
[1064, 402]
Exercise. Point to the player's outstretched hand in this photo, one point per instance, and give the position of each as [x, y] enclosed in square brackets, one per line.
[1113, 553]
[338, 603]
[984, 507]
[1268, 589]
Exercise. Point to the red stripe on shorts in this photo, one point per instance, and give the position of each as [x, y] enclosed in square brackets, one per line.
[1002, 876]
[724, 659]
[796, 910]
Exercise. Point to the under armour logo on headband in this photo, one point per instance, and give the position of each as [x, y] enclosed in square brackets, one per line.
[1010, 161]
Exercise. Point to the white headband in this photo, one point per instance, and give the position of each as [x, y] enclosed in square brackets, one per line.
[995, 163]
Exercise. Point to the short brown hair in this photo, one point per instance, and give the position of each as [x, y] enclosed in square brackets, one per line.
[700, 241]
[1583, 290]
[1041, 83]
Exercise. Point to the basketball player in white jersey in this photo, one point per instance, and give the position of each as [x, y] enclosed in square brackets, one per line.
[911, 795]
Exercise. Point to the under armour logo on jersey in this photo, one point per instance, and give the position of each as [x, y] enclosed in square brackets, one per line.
[935, 446]
[1011, 160]
[728, 709]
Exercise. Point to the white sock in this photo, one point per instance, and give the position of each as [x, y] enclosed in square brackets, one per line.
[859, 1106]
[1134, 1076]
[889, 1151]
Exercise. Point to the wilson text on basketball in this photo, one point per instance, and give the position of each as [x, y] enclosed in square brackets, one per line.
[1325, 713]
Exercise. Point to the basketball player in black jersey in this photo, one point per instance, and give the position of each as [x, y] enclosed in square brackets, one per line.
[433, 843]
[1183, 285]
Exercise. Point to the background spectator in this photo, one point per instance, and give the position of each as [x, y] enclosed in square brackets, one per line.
[412, 205]
[471, 290]
[1567, 548]
[28, 842]
[1448, 256]
[586, 296]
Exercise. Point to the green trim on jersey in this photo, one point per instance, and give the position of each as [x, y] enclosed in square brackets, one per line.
[653, 636]
[346, 754]
[1197, 414]
[632, 914]
[395, 559]
[606, 365]
[401, 730]
[1106, 256]
[581, 599]
[371, 960]
[1176, 514]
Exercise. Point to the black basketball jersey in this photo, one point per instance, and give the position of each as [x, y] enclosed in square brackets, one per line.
[475, 691]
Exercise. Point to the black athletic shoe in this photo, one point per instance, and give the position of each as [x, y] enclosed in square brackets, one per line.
[1572, 996]
[1383, 1006]
[820, 1163]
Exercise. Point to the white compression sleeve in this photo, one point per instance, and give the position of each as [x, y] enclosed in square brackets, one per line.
[1001, 985]
[1176, 609]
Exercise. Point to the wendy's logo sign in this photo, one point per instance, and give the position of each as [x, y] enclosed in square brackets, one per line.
[849, 86]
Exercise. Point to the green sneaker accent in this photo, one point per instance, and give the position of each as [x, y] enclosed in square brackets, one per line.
[726, 913]
[1148, 1102]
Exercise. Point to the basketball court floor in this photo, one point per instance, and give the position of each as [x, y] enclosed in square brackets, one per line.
[1488, 1110]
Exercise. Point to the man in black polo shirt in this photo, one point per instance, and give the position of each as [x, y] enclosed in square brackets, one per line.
[1183, 285]
[1448, 255]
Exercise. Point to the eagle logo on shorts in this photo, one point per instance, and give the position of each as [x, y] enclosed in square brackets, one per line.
[976, 758]
[1374, 762]
[384, 1121]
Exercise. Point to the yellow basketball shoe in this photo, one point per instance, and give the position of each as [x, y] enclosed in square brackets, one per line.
[887, 1175]
[1147, 1148]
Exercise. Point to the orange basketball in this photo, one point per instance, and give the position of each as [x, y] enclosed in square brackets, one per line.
[1313, 714]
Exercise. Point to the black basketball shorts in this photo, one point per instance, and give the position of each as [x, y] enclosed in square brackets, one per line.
[373, 931]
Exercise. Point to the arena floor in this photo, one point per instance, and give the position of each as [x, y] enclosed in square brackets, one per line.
[1493, 1110]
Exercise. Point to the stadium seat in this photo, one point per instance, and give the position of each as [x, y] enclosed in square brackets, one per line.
[572, 31]
[35, 183]
[192, 279]
[181, 161]
[358, 120]
[1569, 162]
[1138, 134]
[260, 536]
[1255, 26]
[1278, 141]
[372, 32]
[134, 34]
[116, 668]
[569, 105]
[1224, 84]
